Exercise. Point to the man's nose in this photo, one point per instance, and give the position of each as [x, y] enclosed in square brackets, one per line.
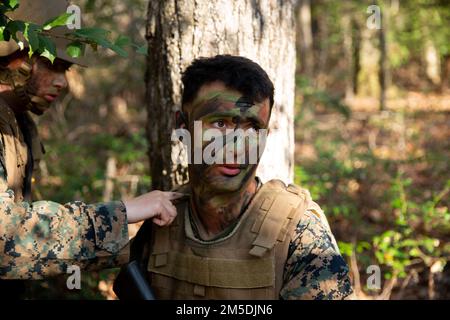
[60, 81]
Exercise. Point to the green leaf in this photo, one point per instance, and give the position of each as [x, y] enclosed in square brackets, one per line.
[75, 49]
[8, 5]
[6, 35]
[47, 54]
[143, 50]
[3, 18]
[122, 41]
[1, 33]
[114, 48]
[47, 48]
[100, 36]
[12, 3]
[15, 26]
[58, 21]
[31, 35]
[92, 33]
[363, 245]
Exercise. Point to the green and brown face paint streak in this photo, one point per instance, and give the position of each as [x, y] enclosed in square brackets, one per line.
[209, 184]
[224, 95]
[206, 174]
[224, 104]
[217, 105]
[219, 199]
[219, 211]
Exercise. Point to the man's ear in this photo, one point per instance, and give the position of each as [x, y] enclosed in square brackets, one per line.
[181, 120]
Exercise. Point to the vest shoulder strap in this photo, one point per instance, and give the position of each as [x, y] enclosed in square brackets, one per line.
[161, 244]
[279, 206]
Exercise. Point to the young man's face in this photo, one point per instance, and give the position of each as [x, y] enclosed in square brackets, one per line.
[48, 81]
[227, 111]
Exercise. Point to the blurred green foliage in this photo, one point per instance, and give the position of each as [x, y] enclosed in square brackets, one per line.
[40, 41]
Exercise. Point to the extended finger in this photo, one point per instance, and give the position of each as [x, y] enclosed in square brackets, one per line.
[175, 195]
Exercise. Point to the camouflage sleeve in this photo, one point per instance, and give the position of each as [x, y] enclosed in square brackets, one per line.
[315, 270]
[43, 238]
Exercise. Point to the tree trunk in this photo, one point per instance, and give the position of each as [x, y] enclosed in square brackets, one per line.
[348, 52]
[321, 70]
[356, 55]
[369, 72]
[383, 69]
[179, 31]
[445, 71]
[305, 38]
[432, 63]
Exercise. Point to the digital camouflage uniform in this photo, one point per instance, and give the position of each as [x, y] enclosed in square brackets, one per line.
[314, 269]
[40, 239]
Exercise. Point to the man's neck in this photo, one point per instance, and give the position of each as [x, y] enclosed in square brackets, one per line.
[216, 212]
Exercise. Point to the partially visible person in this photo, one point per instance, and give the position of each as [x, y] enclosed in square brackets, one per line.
[42, 238]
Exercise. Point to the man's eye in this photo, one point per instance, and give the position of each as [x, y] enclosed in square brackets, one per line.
[219, 124]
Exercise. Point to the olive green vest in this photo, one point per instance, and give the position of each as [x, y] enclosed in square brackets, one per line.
[248, 263]
[19, 157]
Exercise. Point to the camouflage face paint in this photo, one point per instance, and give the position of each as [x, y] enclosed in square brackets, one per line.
[225, 110]
[225, 104]
[222, 191]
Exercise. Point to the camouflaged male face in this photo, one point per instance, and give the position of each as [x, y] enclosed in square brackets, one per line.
[218, 107]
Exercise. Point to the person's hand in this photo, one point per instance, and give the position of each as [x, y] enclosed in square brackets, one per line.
[156, 205]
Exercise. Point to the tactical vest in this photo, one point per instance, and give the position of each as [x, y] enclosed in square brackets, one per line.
[248, 263]
[22, 150]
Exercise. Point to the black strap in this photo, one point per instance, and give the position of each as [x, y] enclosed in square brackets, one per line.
[131, 283]
[139, 241]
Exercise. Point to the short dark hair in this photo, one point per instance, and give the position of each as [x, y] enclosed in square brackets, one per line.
[235, 72]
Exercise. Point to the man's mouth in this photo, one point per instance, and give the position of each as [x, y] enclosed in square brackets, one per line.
[50, 97]
[230, 170]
